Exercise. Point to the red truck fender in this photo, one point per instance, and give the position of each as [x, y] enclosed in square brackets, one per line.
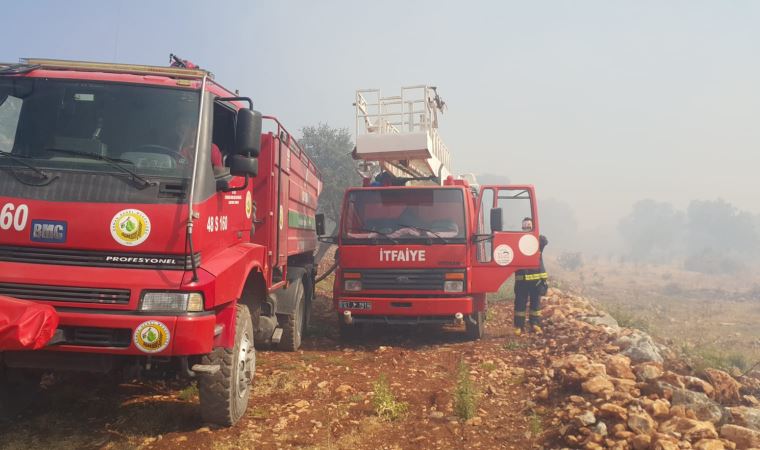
[233, 268]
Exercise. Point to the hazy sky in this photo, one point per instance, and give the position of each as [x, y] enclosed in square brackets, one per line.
[597, 103]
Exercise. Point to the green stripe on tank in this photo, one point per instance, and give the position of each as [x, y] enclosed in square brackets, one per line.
[303, 221]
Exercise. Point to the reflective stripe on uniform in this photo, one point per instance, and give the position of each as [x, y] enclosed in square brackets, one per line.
[536, 313]
[532, 277]
[520, 314]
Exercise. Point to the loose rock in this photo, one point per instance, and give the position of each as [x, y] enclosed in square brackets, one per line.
[598, 385]
[640, 347]
[726, 388]
[709, 444]
[745, 417]
[639, 421]
[648, 371]
[743, 437]
[703, 407]
[619, 366]
[690, 429]
[641, 441]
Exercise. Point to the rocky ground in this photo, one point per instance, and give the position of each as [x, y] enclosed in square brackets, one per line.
[584, 383]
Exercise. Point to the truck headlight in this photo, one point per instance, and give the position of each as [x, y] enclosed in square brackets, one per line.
[453, 286]
[352, 285]
[172, 301]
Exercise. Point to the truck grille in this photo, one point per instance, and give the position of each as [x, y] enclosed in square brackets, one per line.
[66, 293]
[68, 257]
[401, 280]
[97, 337]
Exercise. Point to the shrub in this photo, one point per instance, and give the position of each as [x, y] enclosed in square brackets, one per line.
[385, 403]
[466, 395]
[570, 260]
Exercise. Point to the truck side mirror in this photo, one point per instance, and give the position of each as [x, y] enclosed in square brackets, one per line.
[496, 220]
[319, 221]
[241, 166]
[248, 133]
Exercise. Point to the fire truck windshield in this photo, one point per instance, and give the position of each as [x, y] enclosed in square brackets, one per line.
[406, 215]
[97, 126]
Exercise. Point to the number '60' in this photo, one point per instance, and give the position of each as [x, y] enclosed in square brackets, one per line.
[10, 216]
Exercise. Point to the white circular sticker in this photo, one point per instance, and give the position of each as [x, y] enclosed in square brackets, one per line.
[528, 245]
[248, 205]
[151, 336]
[503, 255]
[130, 227]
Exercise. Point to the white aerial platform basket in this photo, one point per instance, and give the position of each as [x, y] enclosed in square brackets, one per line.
[401, 132]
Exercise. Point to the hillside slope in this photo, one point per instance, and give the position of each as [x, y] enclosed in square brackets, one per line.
[584, 383]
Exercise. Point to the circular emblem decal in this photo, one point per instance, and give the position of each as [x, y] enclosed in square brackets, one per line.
[130, 227]
[151, 336]
[503, 255]
[528, 245]
[248, 205]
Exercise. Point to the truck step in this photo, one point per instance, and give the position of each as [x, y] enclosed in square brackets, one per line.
[206, 368]
[277, 335]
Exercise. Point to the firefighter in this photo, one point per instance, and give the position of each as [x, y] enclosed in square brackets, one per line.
[530, 285]
[186, 145]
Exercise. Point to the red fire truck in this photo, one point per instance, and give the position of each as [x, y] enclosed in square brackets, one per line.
[145, 204]
[416, 244]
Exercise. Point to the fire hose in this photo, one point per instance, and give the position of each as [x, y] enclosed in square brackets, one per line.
[328, 272]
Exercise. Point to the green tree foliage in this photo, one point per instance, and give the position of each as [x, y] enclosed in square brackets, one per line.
[719, 238]
[718, 225]
[711, 236]
[652, 231]
[330, 148]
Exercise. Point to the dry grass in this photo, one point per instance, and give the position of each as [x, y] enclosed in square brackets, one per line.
[280, 383]
[710, 319]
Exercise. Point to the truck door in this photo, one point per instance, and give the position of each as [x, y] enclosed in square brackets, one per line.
[500, 246]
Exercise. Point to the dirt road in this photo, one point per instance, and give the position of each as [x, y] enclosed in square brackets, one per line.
[320, 397]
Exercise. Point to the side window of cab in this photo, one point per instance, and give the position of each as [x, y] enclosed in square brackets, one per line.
[223, 137]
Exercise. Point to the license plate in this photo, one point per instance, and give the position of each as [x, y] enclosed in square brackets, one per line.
[355, 305]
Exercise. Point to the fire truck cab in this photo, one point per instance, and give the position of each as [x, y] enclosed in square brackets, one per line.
[415, 244]
[147, 207]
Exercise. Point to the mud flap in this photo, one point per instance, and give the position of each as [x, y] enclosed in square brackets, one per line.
[287, 298]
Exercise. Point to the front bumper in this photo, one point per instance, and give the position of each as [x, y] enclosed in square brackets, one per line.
[404, 309]
[118, 333]
[109, 328]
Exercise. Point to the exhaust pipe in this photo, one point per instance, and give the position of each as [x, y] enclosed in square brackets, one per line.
[458, 318]
[347, 319]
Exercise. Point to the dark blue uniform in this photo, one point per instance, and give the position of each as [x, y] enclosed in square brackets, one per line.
[530, 284]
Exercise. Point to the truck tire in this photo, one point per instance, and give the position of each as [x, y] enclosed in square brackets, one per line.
[294, 325]
[477, 329]
[224, 395]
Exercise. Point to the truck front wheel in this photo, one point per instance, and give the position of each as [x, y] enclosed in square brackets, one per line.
[224, 395]
[475, 325]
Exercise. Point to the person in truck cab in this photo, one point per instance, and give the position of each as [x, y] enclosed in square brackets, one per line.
[530, 285]
[186, 145]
